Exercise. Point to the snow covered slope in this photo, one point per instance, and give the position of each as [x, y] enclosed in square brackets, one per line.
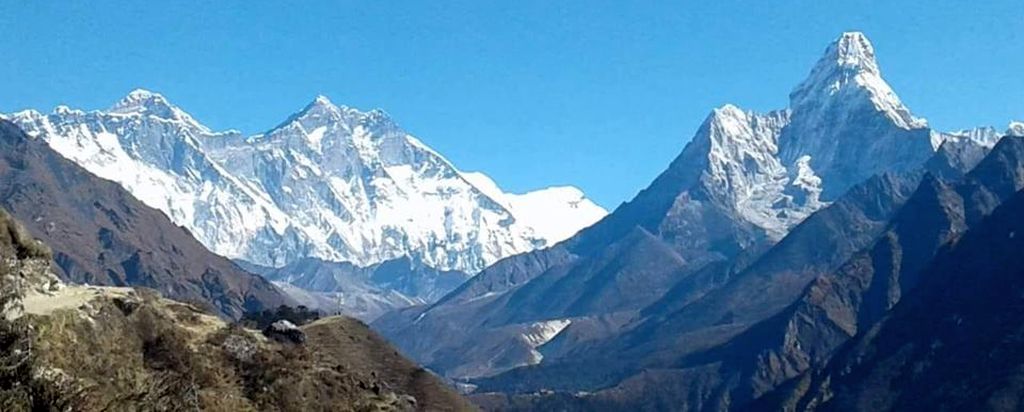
[153, 149]
[555, 213]
[848, 123]
[1015, 129]
[330, 182]
[844, 124]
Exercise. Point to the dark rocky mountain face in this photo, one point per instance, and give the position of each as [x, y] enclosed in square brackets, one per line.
[952, 343]
[955, 157]
[770, 364]
[778, 276]
[102, 235]
[675, 330]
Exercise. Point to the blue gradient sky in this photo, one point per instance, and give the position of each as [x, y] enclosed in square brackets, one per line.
[601, 95]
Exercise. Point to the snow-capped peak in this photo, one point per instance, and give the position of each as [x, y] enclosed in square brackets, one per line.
[853, 50]
[742, 169]
[727, 110]
[147, 103]
[319, 107]
[849, 122]
[144, 101]
[730, 120]
[322, 112]
[986, 136]
[322, 124]
[331, 182]
[66, 111]
[321, 100]
[845, 75]
[360, 189]
[1015, 129]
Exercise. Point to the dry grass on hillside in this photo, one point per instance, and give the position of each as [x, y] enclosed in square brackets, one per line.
[150, 353]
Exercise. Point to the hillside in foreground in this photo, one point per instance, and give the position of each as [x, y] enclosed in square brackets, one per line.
[104, 348]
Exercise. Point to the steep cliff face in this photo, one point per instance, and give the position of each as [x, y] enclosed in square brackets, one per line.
[848, 123]
[952, 342]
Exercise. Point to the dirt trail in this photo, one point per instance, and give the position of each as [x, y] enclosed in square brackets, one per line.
[67, 297]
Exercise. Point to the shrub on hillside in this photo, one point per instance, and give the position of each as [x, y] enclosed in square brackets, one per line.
[299, 315]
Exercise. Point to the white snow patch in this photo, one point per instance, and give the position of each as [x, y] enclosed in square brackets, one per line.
[554, 213]
[1015, 129]
[316, 136]
[540, 333]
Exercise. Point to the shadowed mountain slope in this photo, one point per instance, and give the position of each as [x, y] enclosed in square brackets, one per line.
[102, 235]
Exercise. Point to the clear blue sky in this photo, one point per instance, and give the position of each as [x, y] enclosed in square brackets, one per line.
[597, 94]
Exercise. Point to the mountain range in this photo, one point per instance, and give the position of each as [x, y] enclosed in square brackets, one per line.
[734, 271]
[329, 183]
[836, 254]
